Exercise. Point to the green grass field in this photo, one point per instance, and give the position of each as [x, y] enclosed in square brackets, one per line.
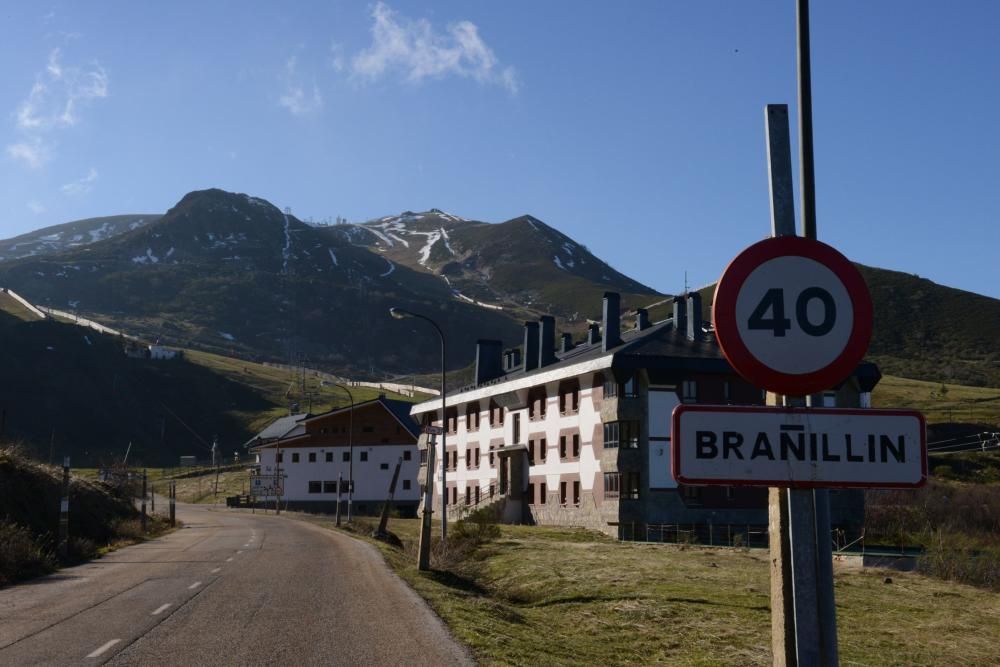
[559, 596]
[955, 403]
[10, 305]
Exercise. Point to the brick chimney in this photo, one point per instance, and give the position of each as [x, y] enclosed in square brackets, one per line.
[593, 334]
[488, 360]
[680, 315]
[694, 316]
[530, 346]
[546, 341]
[611, 321]
[641, 319]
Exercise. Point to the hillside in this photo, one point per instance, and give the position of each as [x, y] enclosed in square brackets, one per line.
[231, 273]
[922, 330]
[71, 390]
[522, 266]
[77, 233]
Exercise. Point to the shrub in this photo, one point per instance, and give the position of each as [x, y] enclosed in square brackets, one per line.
[21, 554]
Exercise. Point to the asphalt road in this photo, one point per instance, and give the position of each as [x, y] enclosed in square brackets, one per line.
[230, 588]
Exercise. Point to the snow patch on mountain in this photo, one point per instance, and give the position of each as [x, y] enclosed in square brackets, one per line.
[392, 267]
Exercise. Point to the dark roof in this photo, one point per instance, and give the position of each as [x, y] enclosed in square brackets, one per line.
[659, 342]
[279, 428]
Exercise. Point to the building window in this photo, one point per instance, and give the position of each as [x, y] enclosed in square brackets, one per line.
[493, 463]
[692, 494]
[280, 457]
[727, 391]
[407, 455]
[531, 494]
[347, 457]
[454, 495]
[562, 493]
[621, 434]
[344, 486]
[612, 484]
[367, 429]
[472, 417]
[542, 449]
[406, 485]
[468, 458]
[562, 446]
[312, 457]
[496, 414]
[476, 491]
[423, 457]
[329, 457]
[576, 445]
[517, 428]
[315, 487]
[730, 493]
[477, 457]
[383, 466]
[364, 456]
[468, 495]
[295, 457]
[630, 485]
[630, 388]
[541, 493]
[569, 397]
[689, 391]
[610, 388]
[531, 452]
[537, 398]
[576, 493]
[329, 487]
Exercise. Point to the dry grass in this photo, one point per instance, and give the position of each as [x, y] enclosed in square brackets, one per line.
[956, 403]
[557, 596]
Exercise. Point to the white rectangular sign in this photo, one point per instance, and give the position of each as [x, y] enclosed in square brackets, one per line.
[798, 447]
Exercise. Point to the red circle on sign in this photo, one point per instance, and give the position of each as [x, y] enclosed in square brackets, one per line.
[752, 368]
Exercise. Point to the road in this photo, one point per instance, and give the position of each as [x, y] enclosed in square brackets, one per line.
[229, 588]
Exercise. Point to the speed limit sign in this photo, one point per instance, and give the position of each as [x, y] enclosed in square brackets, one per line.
[792, 315]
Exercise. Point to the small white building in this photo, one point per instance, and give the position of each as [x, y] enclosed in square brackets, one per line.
[161, 352]
[314, 453]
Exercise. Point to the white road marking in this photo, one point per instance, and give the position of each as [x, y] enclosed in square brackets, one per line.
[238, 551]
[215, 570]
[247, 545]
[161, 609]
[229, 560]
[103, 648]
[194, 585]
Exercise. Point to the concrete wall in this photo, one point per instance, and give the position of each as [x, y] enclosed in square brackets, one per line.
[371, 481]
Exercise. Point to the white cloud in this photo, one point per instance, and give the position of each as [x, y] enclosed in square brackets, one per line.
[337, 60]
[35, 207]
[416, 50]
[33, 152]
[297, 98]
[54, 103]
[81, 186]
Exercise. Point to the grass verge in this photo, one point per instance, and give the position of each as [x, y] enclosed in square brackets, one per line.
[560, 596]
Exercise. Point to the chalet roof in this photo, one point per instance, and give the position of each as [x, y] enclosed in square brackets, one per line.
[400, 410]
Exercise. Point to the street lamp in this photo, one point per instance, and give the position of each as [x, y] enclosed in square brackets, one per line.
[350, 455]
[401, 314]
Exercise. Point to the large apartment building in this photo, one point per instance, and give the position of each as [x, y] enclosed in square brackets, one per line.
[579, 434]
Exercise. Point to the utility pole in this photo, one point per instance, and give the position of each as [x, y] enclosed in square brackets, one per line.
[424, 549]
[381, 532]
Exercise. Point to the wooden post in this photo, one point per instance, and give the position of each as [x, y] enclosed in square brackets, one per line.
[388, 503]
[424, 550]
[64, 512]
[340, 482]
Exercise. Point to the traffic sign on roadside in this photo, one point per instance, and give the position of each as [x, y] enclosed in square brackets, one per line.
[798, 447]
[792, 315]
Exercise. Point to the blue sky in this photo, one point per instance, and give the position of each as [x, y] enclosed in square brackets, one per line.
[636, 128]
